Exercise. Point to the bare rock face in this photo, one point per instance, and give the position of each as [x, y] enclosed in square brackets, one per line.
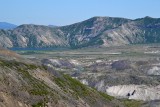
[4, 40]
[97, 31]
[138, 92]
[89, 32]
[154, 71]
[37, 36]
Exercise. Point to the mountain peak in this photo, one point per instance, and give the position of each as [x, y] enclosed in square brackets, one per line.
[148, 17]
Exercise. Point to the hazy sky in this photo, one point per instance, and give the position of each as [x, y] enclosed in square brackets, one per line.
[64, 12]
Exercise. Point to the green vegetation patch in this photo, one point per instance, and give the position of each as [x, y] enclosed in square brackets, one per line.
[107, 97]
[39, 104]
[33, 86]
[36, 87]
[132, 103]
[18, 65]
[73, 86]
[79, 90]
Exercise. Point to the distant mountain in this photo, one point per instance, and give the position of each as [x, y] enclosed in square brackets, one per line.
[90, 32]
[96, 31]
[6, 26]
[52, 26]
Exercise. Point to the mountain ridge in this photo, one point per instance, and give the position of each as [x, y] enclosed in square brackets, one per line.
[96, 31]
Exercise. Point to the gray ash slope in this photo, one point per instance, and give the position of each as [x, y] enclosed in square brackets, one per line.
[96, 31]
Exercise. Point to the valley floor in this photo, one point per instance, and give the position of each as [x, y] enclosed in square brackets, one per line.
[130, 71]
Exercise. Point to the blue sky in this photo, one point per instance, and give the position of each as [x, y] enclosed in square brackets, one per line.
[64, 12]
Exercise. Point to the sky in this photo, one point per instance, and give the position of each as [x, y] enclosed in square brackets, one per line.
[65, 12]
